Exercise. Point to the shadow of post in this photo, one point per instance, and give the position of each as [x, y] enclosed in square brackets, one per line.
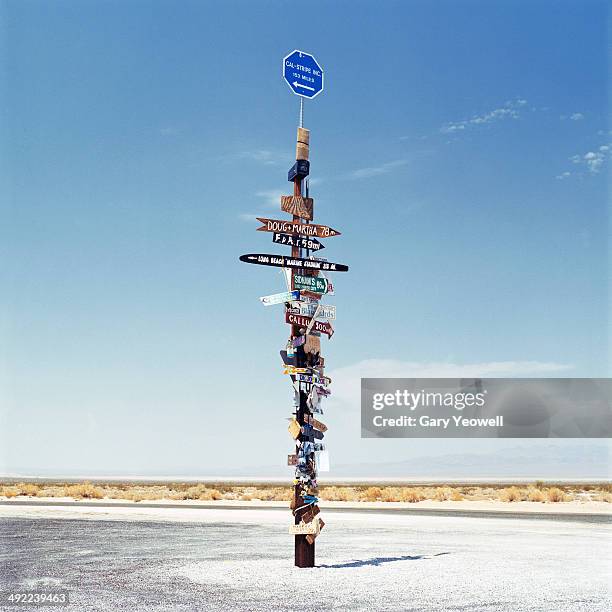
[380, 560]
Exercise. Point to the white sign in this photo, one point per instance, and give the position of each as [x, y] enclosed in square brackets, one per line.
[308, 309]
[279, 298]
[322, 461]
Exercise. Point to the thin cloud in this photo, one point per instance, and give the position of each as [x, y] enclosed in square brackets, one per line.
[371, 171]
[262, 156]
[592, 161]
[510, 110]
[270, 197]
[347, 380]
[572, 117]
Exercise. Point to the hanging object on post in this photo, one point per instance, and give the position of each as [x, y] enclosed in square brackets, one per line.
[300, 170]
[303, 143]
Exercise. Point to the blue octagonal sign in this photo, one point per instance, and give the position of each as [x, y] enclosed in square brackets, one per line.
[303, 74]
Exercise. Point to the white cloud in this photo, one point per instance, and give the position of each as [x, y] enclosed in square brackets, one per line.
[592, 160]
[271, 197]
[263, 156]
[510, 110]
[346, 387]
[577, 117]
[563, 175]
[378, 170]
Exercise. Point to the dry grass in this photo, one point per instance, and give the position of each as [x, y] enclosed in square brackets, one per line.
[373, 494]
[9, 492]
[555, 494]
[84, 490]
[448, 493]
[411, 495]
[537, 492]
[510, 494]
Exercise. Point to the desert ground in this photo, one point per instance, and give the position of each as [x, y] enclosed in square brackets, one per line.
[132, 556]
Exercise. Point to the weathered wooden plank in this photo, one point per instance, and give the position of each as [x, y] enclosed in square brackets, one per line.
[298, 205]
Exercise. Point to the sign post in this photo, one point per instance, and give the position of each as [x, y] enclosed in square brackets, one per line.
[305, 314]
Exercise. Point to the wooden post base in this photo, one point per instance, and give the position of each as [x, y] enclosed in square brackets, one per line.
[304, 552]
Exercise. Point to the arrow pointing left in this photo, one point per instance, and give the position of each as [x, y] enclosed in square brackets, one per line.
[296, 84]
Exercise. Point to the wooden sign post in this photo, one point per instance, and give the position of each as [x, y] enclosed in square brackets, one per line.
[307, 317]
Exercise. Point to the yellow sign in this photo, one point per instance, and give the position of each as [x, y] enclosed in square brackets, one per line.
[289, 369]
[294, 429]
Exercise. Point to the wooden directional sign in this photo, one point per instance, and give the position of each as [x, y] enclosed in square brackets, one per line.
[314, 284]
[298, 205]
[310, 538]
[280, 298]
[303, 229]
[302, 242]
[309, 515]
[325, 311]
[316, 424]
[280, 261]
[302, 321]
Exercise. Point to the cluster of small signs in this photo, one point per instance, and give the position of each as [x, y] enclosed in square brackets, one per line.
[307, 316]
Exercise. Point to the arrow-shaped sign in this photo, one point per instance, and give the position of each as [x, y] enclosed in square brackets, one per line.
[280, 261]
[312, 244]
[319, 326]
[280, 298]
[291, 227]
[316, 424]
[315, 284]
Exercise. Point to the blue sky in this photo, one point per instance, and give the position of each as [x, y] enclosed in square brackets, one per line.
[460, 147]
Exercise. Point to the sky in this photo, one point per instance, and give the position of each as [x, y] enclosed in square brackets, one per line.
[462, 149]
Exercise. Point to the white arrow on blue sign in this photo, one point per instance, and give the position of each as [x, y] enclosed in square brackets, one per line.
[303, 74]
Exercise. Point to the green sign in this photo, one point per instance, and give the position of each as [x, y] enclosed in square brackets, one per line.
[316, 284]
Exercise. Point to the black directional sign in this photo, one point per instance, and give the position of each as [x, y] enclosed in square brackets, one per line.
[297, 241]
[280, 261]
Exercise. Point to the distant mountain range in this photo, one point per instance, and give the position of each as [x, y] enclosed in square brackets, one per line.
[593, 461]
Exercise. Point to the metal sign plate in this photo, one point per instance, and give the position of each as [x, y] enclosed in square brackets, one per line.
[303, 74]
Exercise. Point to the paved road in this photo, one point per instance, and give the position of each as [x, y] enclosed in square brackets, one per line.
[365, 562]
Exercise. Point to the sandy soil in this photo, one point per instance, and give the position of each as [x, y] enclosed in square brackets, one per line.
[493, 506]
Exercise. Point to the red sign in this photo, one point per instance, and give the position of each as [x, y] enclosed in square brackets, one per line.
[319, 326]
